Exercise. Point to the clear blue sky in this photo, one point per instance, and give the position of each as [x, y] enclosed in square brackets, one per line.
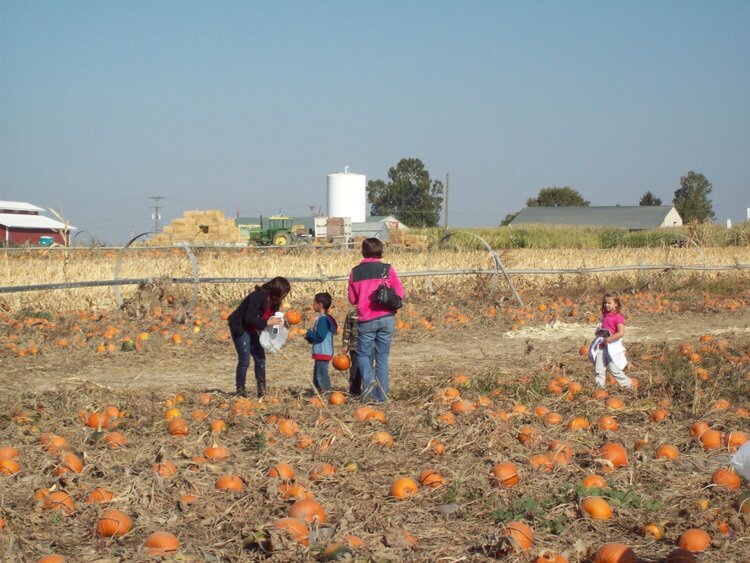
[249, 105]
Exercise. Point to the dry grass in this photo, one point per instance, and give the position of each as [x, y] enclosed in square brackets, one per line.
[55, 265]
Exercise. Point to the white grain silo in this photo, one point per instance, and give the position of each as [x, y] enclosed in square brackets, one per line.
[347, 195]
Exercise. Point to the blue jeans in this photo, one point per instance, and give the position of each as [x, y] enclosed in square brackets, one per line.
[320, 376]
[375, 343]
[247, 345]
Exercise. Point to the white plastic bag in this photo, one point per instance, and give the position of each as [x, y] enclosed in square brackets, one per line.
[741, 461]
[273, 338]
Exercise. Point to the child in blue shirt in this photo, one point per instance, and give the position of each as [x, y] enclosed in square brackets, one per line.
[321, 338]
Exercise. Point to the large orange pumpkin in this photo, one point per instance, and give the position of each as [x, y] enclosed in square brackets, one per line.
[341, 362]
[431, 478]
[113, 523]
[216, 453]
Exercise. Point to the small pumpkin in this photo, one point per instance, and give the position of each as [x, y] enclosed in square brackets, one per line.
[505, 474]
[281, 471]
[725, 478]
[231, 483]
[294, 527]
[597, 508]
[341, 362]
[694, 540]
[293, 316]
[403, 488]
[431, 478]
[162, 544]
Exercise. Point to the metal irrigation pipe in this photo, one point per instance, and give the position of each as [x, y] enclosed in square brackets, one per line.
[318, 279]
[495, 261]
[191, 256]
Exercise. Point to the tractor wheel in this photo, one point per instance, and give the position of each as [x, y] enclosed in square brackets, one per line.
[282, 239]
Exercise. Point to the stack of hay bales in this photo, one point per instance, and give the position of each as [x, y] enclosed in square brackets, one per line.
[199, 227]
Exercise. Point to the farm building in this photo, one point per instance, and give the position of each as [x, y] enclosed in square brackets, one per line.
[631, 217]
[21, 223]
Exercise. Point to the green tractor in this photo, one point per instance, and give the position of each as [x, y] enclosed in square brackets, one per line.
[277, 232]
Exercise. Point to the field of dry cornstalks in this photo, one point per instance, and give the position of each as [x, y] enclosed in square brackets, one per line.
[57, 265]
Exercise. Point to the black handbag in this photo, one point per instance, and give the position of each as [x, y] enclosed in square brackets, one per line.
[385, 295]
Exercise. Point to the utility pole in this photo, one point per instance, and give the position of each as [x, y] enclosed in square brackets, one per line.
[445, 207]
[156, 215]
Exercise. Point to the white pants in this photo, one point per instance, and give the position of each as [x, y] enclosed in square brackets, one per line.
[601, 370]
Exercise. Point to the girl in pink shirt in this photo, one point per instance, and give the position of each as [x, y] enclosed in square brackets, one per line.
[611, 354]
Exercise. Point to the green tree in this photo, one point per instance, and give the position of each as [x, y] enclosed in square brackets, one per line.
[410, 194]
[649, 199]
[557, 197]
[691, 199]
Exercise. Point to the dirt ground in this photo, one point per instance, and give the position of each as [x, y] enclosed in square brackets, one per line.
[211, 366]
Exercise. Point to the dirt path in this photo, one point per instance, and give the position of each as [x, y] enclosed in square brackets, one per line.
[212, 366]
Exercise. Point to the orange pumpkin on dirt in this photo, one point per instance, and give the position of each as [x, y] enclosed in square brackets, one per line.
[308, 510]
[281, 471]
[615, 553]
[597, 508]
[294, 527]
[403, 488]
[162, 544]
[520, 535]
[726, 478]
[341, 362]
[505, 474]
[694, 540]
[231, 483]
[113, 524]
[614, 454]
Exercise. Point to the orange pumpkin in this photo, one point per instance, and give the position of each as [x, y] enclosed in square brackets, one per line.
[60, 500]
[615, 553]
[431, 478]
[597, 508]
[99, 495]
[382, 438]
[216, 453]
[711, 439]
[520, 535]
[341, 362]
[505, 474]
[694, 540]
[615, 454]
[403, 488]
[162, 544]
[608, 423]
[336, 398]
[308, 510]
[293, 316]
[281, 471]
[294, 527]
[115, 440]
[726, 478]
[165, 469]
[8, 452]
[113, 524]
[9, 467]
[551, 557]
[594, 482]
[231, 483]
[667, 452]
[178, 427]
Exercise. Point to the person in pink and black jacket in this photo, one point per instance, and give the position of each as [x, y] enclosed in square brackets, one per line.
[376, 322]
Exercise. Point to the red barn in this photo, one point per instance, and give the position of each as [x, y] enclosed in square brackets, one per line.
[20, 223]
